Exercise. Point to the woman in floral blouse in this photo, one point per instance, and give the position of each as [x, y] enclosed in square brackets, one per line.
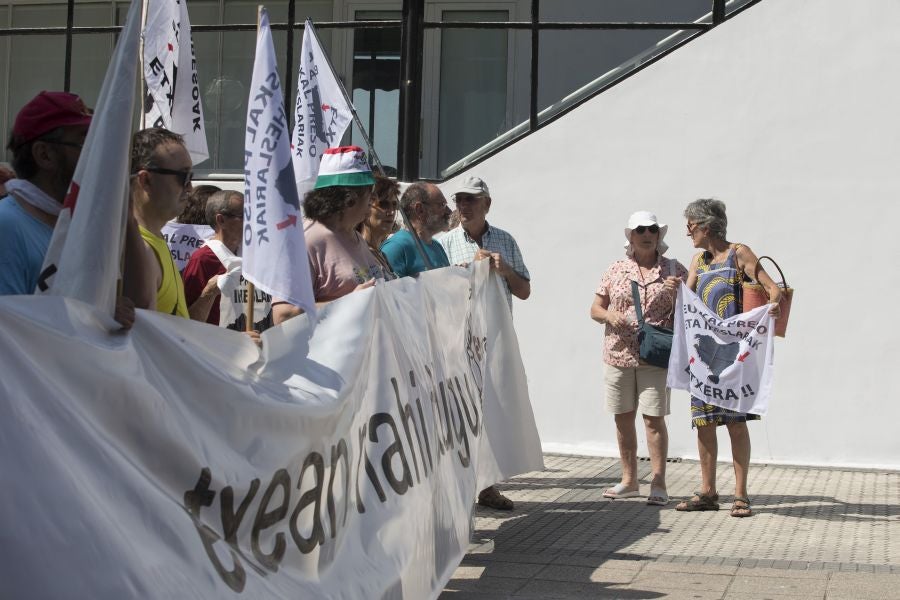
[631, 384]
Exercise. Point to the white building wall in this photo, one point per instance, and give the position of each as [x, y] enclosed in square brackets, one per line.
[788, 113]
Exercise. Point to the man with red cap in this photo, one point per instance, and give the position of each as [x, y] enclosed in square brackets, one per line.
[46, 141]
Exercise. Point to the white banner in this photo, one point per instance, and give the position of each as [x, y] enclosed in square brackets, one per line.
[177, 461]
[72, 266]
[321, 113]
[184, 239]
[274, 250]
[170, 72]
[725, 362]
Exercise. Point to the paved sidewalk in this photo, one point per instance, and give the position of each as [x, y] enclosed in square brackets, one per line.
[817, 533]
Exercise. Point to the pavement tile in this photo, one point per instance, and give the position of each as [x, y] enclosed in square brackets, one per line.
[760, 596]
[666, 593]
[783, 573]
[777, 586]
[551, 590]
[681, 581]
[863, 585]
[707, 569]
[468, 572]
[490, 586]
[510, 569]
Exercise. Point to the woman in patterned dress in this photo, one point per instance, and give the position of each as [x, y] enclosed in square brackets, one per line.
[715, 275]
[632, 385]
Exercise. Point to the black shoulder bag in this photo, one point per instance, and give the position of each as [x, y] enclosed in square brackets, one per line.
[655, 342]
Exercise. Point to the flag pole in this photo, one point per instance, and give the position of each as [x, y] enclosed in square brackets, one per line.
[251, 289]
[420, 247]
[145, 7]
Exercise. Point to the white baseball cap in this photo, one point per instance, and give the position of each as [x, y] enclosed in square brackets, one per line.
[472, 185]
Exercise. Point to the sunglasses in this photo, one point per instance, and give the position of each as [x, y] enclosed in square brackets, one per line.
[185, 176]
[388, 206]
[641, 229]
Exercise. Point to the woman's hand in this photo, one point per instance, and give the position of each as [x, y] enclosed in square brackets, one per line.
[775, 309]
[616, 319]
[364, 285]
[671, 283]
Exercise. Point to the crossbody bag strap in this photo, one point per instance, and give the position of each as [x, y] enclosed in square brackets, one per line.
[636, 298]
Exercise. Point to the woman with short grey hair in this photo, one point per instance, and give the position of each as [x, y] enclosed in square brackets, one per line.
[716, 274]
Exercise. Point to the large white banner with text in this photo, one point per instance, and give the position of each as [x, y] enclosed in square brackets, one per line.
[179, 461]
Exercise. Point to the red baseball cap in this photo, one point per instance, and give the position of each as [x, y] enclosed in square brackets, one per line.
[47, 111]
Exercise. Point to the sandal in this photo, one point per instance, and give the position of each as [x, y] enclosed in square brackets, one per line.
[491, 498]
[657, 497]
[620, 491]
[699, 502]
[741, 507]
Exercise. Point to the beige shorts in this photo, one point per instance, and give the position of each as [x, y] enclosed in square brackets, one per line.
[640, 388]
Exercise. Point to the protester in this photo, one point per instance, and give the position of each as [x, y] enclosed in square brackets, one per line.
[225, 214]
[476, 239]
[717, 272]
[46, 141]
[160, 182]
[340, 261]
[194, 212]
[382, 217]
[427, 211]
[631, 384]
[5, 175]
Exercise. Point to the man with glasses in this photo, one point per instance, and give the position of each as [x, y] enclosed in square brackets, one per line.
[161, 173]
[428, 214]
[45, 143]
[476, 239]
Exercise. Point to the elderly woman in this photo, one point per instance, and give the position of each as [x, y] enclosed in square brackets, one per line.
[340, 261]
[381, 220]
[717, 272]
[631, 384]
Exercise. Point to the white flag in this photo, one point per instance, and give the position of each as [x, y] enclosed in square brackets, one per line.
[725, 362]
[274, 246]
[82, 260]
[321, 113]
[170, 71]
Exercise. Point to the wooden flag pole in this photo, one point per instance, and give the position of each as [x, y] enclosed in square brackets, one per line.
[251, 289]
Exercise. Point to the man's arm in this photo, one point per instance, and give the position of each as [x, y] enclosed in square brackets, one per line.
[142, 272]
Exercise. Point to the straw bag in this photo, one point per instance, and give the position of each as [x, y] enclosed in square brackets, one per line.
[754, 295]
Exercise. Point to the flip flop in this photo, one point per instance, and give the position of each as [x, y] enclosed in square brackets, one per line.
[618, 491]
[657, 497]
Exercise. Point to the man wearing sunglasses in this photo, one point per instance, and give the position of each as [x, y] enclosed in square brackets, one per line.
[161, 173]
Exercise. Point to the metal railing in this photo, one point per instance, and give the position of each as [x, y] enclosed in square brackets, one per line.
[412, 27]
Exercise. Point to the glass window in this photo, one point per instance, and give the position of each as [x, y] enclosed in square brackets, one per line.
[376, 85]
[474, 103]
[624, 10]
[575, 64]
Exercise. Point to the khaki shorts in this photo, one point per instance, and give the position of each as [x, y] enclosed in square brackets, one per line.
[640, 388]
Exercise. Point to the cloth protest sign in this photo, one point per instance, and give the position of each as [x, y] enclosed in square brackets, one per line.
[170, 72]
[321, 112]
[179, 461]
[725, 362]
[235, 294]
[73, 266]
[274, 250]
[184, 239]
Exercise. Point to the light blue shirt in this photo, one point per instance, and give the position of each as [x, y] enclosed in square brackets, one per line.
[23, 244]
[400, 250]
